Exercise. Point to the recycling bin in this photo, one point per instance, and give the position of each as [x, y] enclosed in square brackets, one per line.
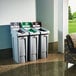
[33, 40]
[43, 40]
[19, 43]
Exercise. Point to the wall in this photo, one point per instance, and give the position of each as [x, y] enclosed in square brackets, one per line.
[54, 16]
[47, 13]
[62, 23]
[55, 20]
[5, 37]
[17, 10]
[25, 10]
[14, 10]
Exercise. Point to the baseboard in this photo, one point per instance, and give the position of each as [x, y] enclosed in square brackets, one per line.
[53, 47]
[5, 53]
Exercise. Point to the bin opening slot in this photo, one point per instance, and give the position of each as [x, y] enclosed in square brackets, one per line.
[42, 29]
[32, 30]
[20, 31]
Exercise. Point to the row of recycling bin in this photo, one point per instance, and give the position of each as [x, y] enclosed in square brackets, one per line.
[29, 41]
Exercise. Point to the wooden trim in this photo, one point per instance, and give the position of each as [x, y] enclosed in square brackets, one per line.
[5, 53]
[53, 47]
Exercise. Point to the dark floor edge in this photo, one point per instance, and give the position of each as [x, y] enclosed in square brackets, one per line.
[6, 53]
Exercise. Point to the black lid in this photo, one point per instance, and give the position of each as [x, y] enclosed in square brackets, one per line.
[37, 23]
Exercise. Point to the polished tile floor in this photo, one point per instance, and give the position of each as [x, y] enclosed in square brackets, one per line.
[71, 71]
[38, 69]
[50, 58]
[54, 65]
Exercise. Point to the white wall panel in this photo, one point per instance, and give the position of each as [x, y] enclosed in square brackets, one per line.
[17, 10]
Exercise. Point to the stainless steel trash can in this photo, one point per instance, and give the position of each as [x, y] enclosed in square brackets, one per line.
[43, 39]
[33, 40]
[19, 43]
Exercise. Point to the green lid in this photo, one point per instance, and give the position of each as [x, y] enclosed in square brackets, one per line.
[32, 30]
[26, 24]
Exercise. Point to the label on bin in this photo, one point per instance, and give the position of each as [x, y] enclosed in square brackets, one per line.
[14, 25]
[36, 25]
[31, 30]
[26, 24]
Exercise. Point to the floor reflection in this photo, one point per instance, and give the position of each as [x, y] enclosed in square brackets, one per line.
[37, 69]
[71, 71]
